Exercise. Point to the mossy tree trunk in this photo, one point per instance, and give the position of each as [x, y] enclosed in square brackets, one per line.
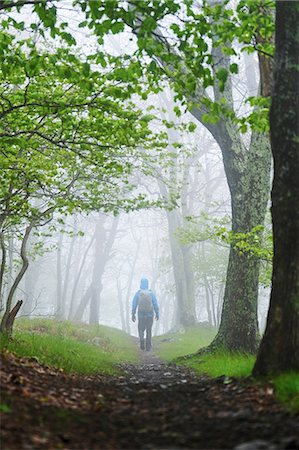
[248, 176]
[279, 350]
[249, 194]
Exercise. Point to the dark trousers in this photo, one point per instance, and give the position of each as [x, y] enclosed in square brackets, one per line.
[145, 325]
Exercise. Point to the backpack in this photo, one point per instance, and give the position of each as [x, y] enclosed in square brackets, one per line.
[145, 304]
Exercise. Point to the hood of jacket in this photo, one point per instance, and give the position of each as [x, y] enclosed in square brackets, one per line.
[144, 283]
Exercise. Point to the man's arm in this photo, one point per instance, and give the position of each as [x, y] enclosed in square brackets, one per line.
[134, 305]
[155, 305]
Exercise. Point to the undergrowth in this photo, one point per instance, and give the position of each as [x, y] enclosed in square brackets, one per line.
[75, 348]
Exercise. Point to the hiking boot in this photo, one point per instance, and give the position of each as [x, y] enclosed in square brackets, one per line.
[142, 345]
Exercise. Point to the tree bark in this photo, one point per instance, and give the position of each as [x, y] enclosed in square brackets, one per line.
[77, 279]
[2, 268]
[102, 254]
[11, 318]
[279, 350]
[121, 305]
[59, 300]
[103, 250]
[68, 269]
[7, 319]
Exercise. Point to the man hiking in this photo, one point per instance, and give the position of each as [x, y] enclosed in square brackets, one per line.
[146, 302]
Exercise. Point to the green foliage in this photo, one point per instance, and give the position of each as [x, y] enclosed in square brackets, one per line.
[70, 135]
[256, 243]
[172, 345]
[75, 348]
[248, 243]
[188, 57]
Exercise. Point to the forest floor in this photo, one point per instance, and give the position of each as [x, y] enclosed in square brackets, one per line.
[151, 406]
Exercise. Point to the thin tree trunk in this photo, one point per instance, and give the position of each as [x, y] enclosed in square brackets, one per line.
[103, 250]
[78, 316]
[129, 289]
[30, 279]
[2, 268]
[11, 317]
[121, 305]
[77, 279]
[6, 325]
[59, 300]
[67, 272]
[220, 303]
[212, 304]
[210, 320]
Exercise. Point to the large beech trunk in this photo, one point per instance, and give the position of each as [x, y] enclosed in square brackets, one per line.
[248, 176]
[279, 350]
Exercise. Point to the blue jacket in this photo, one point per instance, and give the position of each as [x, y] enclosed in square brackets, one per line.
[144, 285]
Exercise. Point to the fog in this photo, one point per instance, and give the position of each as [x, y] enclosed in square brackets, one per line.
[88, 267]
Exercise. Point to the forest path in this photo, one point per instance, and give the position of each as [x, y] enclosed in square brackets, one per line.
[152, 406]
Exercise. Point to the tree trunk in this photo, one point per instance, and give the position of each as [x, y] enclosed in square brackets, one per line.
[103, 249]
[121, 305]
[279, 350]
[8, 318]
[128, 305]
[2, 269]
[68, 269]
[59, 313]
[102, 253]
[211, 290]
[77, 279]
[11, 318]
[30, 280]
[186, 314]
[239, 324]
[78, 316]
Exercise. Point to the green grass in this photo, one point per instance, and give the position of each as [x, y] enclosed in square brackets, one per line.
[173, 345]
[222, 363]
[240, 365]
[68, 346]
[287, 389]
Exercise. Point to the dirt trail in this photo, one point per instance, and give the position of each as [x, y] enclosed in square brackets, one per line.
[153, 406]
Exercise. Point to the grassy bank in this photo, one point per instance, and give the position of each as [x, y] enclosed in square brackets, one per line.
[175, 345]
[74, 348]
